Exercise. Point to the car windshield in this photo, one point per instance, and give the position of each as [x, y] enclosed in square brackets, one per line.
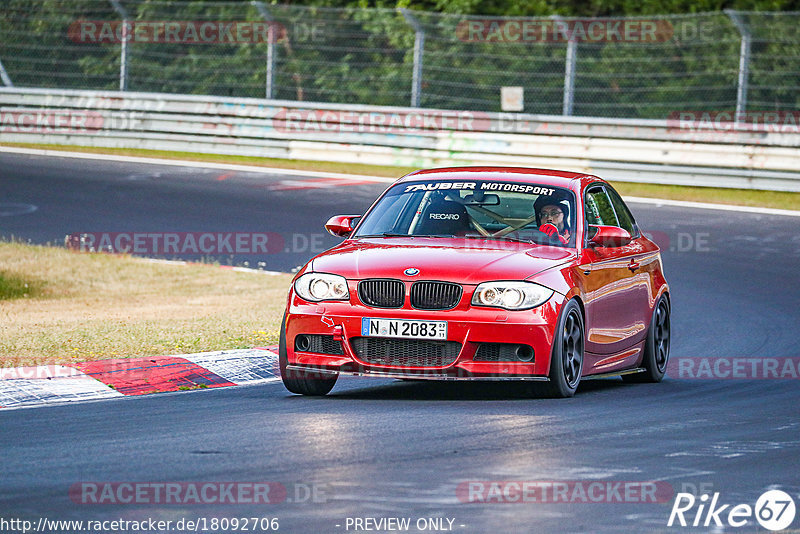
[490, 209]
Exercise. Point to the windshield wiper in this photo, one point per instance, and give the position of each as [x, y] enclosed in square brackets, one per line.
[433, 235]
[392, 234]
[386, 234]
[506, 238]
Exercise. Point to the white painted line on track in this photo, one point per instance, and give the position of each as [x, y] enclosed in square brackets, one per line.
[10, 209]
[710, 206]
[229, 267]
[378, 179]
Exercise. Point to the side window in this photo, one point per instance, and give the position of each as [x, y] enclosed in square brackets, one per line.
[623, 213]
[599, 209]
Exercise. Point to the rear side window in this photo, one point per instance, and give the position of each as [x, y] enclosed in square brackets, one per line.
[599, 209]
[623, 213]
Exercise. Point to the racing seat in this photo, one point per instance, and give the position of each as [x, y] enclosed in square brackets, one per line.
[443, 217]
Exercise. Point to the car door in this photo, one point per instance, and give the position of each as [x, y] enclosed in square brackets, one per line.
[616, 291]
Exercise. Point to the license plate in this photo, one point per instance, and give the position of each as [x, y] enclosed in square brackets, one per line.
[403, 328]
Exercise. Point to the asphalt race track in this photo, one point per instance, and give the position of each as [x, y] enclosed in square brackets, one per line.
[75, 196]
[383, 449]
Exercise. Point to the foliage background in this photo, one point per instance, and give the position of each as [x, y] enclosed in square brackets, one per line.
[362, 52]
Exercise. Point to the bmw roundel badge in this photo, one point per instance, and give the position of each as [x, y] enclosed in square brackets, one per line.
[411, 271]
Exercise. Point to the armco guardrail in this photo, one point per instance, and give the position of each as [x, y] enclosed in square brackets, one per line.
[691, 152]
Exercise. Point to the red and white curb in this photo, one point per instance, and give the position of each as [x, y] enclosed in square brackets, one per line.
[105, 379]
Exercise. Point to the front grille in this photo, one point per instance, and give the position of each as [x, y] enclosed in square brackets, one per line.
[320, 344]
[435, 295]
[382, 293]
[406, 352]
[503, 352]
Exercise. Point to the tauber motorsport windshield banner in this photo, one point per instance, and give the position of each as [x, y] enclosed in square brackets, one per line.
[489, 187]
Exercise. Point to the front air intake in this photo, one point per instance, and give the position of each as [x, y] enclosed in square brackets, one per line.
[318, 343]
[406, 352]
[504, 352]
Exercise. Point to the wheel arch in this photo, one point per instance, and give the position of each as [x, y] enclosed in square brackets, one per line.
[663, 292]
[578, 298]
[575, 295]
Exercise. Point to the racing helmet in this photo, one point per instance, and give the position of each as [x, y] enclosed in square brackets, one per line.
[557, 200]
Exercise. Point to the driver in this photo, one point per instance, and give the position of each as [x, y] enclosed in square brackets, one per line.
[552, 216]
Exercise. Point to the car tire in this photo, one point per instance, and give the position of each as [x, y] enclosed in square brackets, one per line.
[302, 382]
[656, 347]
[566, 358]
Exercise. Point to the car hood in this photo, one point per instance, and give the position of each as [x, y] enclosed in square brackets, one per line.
[471, 262]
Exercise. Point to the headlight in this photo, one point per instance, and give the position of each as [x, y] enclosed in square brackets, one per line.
[322, 286]
[511, 295]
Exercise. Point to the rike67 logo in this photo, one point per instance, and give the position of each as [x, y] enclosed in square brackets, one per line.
[774, 510]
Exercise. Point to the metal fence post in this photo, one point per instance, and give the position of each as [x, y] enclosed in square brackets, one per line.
[569, 68]
[744, 63]
[419, 50]
[4, 76]
[123, 53]
[271, 52]
[569, 76]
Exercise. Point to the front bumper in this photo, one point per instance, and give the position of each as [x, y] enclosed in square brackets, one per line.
[467, 325]
[427, 375]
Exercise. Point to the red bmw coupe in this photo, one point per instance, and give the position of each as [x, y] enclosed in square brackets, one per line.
[482, 273]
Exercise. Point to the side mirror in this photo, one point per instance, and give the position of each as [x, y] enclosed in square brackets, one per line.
[609, 236]
[341, 225]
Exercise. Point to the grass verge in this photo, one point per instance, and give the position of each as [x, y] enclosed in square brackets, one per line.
[82, 307]
[740, 197]
[16, 287]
